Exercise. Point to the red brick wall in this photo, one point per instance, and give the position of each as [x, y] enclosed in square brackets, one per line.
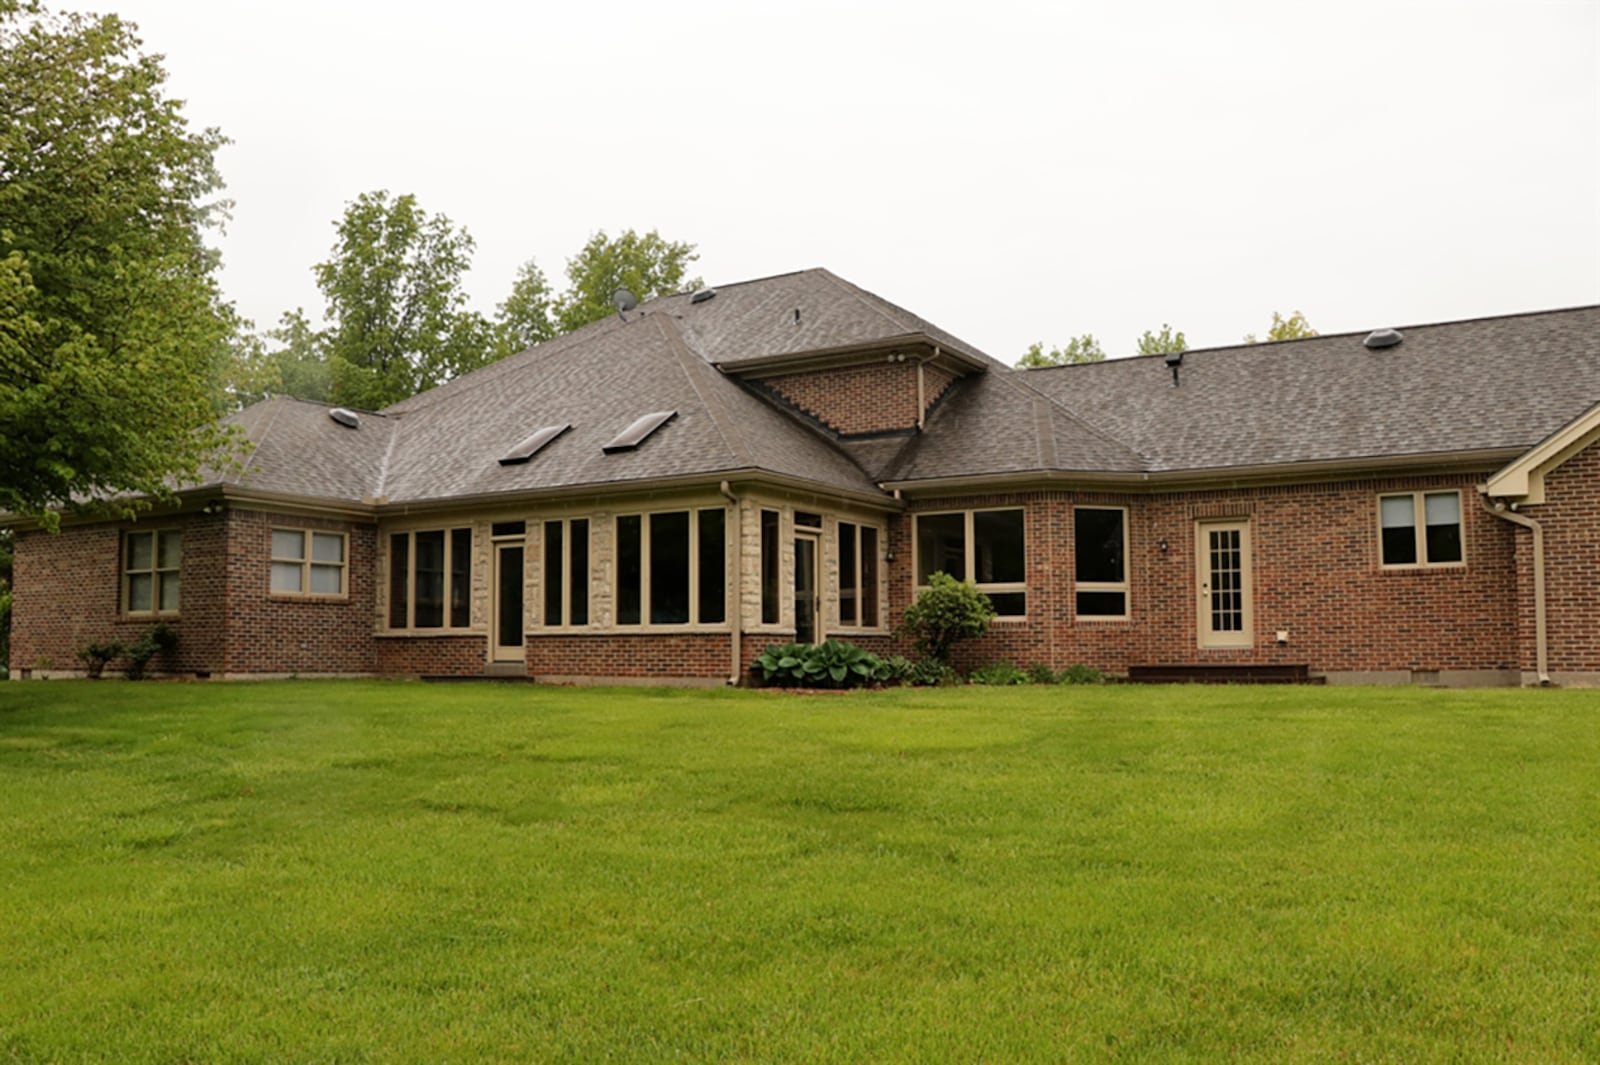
[268, 633]
[702, 655]
[1316, 574]
[1570, 516]
[422, 656]
[863, 399]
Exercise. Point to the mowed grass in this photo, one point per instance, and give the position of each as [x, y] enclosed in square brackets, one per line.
[403, 872]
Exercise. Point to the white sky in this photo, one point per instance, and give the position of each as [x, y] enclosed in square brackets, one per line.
[1012, 171]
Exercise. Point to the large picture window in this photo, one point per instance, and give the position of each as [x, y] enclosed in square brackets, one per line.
[983, 546]
[150, 565]
[672, 568]
[566, 572]
[1100, 566]
[1435, 540]
[430, 579]
[858, 575]
[308, 562]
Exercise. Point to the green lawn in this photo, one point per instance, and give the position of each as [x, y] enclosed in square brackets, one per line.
[403, 872]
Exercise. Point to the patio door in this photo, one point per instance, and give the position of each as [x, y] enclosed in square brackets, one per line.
[505, 638]
[1222, 580]
[807, 589]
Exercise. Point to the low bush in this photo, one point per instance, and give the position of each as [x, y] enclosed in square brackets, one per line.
[830, 664]
[155, 639]
[1081, 674]
[998, 675]
[931, 673]
[946, 612]
[96, 655]
[1039, 673]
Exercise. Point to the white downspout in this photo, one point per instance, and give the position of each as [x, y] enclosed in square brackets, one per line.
[1540, 644]
[736, 615]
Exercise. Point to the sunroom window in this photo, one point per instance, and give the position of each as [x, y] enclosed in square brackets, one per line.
[672, 568]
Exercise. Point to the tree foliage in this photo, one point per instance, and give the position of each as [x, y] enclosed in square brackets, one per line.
[946, 612]
[397, 310]
[113, 334]
[1162, 342]
[526, 317]
[1078, 350]
[1294, 327]
[648, 266]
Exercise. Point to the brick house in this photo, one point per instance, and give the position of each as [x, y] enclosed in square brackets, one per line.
[659, 495]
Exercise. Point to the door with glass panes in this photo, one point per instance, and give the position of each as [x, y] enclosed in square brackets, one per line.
[1222, 581]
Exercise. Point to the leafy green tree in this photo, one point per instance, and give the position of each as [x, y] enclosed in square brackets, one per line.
[399, 322]
[1294, 327]
[1162, 342]
[290, 360]
[113, 333]
[1078, 350]
[525, 318]
[946, 612]
[648, 266]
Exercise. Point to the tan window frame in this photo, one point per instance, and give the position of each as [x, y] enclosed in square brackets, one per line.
[970, 549]
[644, 624]
[411, 535]
[1121, 587]
[307, 561]
[1419, 528]
[862, 597]
[162, 571]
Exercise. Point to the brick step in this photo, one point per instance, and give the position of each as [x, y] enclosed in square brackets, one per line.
[1222, 673]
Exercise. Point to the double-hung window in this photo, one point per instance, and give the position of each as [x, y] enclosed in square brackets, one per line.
[1100, 562]
[983, 546]
[858, 575]
[1420, 529]
[430, 579]
[672, 568]
[150, 564]
[566, 572]
[308, 562]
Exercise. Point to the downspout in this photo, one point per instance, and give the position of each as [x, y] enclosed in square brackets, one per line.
[1540, 644]
[737, 614]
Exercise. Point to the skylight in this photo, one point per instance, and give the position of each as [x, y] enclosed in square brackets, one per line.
[635, 434]
[530, 447]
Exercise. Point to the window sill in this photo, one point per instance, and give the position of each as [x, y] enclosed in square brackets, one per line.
[425, 634]
[305, 597]
[1422, 567]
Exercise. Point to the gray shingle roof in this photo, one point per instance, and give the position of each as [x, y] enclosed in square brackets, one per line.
[296, 449]
[1459, 386]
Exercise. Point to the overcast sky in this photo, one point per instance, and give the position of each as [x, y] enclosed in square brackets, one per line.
[1011, 171]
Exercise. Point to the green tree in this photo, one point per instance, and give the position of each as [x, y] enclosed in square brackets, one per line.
[1078, 350]
[946, 612]
[290, 360]
[1162, 342]
[1294, 327]
[113, 333]
[399, 323]
[648, 266]
[525, 318]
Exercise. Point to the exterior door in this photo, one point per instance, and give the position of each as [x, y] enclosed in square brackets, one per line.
[1222, 579]
[807, 590]
[505, 639]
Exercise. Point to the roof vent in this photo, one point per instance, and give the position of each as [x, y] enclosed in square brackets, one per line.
[635, 434]
[1174, 360]
[701, 295]
[1379, 339]
[345, 417]
[623, 301]
[532, 445]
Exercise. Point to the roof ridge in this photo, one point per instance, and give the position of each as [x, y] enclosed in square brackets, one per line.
[688, 361]
[860, 295]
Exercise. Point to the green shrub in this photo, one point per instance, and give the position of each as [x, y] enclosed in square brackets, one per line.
[998, 675]
[1039, 673]
[931, 673]
[1082, 674]
[157, 638]
[898, 669]
[830, 664]
[96, 655]
[946, 612]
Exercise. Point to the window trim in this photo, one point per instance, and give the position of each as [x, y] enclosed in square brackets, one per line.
[860, 624]
[410, 628]
[155, 572]
[1123, 586]
[568, 585]
[969, 561]
[1419, 529]
[305, 562]
[644, 624]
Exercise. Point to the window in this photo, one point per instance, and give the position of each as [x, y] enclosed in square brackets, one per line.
[1100, 568]
[566, 572]
[672, 568]
[430, 579]
[858, 575]
[983, 546]
[1435, 541]
[307, 562]
[150, 564]
[769, 567]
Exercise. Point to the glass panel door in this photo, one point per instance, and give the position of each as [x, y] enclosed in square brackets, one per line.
[508, 584]
[807, 598]
[1223, 579]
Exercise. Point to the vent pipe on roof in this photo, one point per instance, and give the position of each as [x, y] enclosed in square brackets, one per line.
[1174, 360]
[1379, 339]
[702, 294]
[347, 418]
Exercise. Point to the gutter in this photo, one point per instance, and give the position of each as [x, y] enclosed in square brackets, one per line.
[735, 630]
[1541, 650]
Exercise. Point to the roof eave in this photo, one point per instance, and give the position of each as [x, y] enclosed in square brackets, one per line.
[825, 358]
